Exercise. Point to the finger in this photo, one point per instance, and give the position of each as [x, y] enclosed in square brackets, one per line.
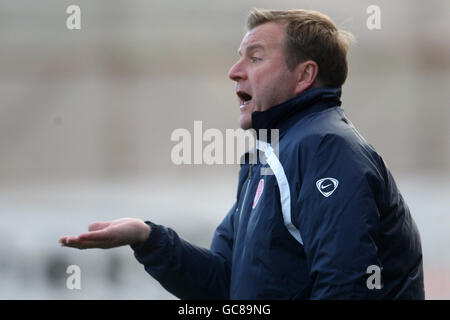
[94, 239]
[98, 225]
[91, 240]
[67, 241]
[98, 235]
[78, 242]
[86, 244]
[63, 240]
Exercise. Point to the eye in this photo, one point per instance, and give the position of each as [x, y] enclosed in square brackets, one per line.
[254, 59]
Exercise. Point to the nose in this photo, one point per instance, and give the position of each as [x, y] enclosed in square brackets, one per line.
[237, 71]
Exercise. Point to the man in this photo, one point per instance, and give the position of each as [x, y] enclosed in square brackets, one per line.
[327, 223]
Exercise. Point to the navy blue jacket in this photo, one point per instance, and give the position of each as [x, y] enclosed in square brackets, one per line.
[322, 218]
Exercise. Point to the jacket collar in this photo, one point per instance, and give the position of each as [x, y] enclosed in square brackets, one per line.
[313, 99]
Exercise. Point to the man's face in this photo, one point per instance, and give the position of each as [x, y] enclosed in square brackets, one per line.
[261, 74]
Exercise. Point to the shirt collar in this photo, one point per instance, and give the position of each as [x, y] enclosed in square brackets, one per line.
[313, 99]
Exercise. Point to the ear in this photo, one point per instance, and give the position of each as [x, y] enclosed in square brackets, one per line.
[307, 72]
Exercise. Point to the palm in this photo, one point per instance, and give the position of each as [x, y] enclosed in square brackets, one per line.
[110, 234]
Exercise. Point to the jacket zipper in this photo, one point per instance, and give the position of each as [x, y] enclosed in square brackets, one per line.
[249, 177]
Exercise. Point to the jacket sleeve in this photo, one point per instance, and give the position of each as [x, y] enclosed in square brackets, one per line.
[340, 230]
[186, 270]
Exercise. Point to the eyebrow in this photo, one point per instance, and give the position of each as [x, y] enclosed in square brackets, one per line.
[251, 47]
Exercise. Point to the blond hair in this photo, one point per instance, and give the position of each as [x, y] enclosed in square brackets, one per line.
[310, 35]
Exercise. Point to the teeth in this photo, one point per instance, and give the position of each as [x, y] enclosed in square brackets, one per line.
[244, 104]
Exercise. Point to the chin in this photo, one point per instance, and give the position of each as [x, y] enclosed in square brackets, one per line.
[245, 123]
[245, 126]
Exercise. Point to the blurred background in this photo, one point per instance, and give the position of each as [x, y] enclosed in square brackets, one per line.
[86, 118]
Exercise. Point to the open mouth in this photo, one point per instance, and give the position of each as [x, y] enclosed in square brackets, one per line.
[244, 98]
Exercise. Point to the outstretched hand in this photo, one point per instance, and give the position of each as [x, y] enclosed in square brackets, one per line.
[109, 234]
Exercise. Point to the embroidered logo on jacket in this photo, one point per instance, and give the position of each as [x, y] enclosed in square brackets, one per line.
[258, 193]
[327, 186]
